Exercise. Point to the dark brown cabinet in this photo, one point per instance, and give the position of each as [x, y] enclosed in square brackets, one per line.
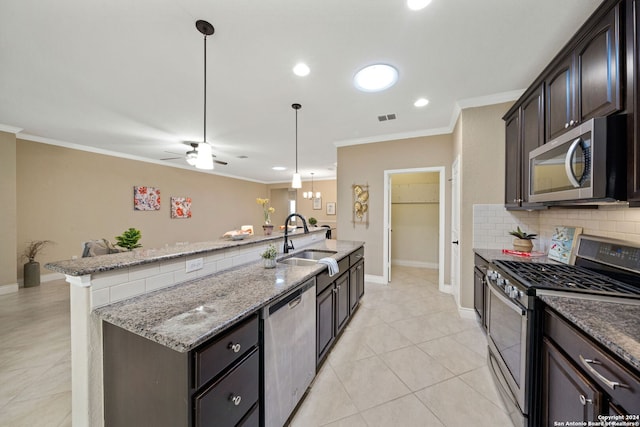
[585, 82]
[566, 393]
[581, 380]
[146, 383]
[480, 289]
[633, 165]
[336, 299]
[524, 131]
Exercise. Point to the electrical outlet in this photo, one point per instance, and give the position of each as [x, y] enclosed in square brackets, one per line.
[194, 264]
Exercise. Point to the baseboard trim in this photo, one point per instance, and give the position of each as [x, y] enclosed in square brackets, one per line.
[8, 289]
[418, 264]
[374, 279]
[44, 278]
[467, 313]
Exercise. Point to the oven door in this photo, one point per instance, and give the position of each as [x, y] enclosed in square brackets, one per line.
[507, 332]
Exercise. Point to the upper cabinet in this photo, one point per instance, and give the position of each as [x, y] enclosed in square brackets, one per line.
[633, 165]
[585, 82]
[524, 132]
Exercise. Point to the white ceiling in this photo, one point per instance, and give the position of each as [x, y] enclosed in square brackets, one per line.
[126, 76]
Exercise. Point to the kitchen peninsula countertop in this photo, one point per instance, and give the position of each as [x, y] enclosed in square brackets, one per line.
[89, 265]
[615, 325]
[185, 315]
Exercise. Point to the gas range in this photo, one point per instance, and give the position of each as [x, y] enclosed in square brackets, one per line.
[605, 267]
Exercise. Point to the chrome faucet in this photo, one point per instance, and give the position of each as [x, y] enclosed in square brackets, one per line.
[287, 243]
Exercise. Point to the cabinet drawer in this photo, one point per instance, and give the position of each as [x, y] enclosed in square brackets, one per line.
[323, 280]
[356, 256]
[211, 360]
[227, 401]
[578, 348]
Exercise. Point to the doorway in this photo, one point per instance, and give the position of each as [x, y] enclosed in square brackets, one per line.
[414, 207]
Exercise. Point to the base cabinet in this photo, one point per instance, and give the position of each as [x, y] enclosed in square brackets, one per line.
[148, 384]
[480, 289]
[578, 377]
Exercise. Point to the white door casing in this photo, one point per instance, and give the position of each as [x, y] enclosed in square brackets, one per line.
[455, 230]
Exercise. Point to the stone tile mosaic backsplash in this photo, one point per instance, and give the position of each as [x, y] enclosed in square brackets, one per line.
[492, 223]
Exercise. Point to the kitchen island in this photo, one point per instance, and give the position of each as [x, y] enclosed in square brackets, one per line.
[145, 274]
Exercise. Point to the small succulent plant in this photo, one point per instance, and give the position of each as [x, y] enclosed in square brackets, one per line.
[270, 253]
[522, 235]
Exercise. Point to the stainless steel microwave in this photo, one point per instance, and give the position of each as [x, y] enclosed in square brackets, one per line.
[586, 164]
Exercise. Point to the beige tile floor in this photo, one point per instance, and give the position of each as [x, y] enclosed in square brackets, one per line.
[406, 359]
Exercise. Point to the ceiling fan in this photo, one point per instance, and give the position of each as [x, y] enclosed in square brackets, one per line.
[192, 154]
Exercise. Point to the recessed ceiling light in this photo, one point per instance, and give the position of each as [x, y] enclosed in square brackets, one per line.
[301, 69]
[279, 168]
[375, 78]
[421, 102]
[417, 4]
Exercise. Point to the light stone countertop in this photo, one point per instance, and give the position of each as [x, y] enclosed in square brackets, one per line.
[89, 265]
[614, 325]
[185, 315]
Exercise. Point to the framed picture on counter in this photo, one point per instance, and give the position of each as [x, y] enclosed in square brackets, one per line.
[317, 203]
[331, 208]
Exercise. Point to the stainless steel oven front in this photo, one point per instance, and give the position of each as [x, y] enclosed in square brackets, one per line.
[508, 327]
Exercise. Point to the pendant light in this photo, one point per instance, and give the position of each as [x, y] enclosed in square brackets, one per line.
[311, 194]
[297, 181]
[204, 160]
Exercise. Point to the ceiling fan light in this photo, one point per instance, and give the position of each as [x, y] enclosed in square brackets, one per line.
[296, 182]
[192, 157]
[205, 157]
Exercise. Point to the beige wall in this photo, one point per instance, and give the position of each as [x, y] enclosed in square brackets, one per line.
[8, 229]
[71, 196]
[479, 135]
[366, 164]
[328, 188]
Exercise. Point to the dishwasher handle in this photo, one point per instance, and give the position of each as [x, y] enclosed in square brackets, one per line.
[291, 300]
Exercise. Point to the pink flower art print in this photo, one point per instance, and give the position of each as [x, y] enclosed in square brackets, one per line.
[146, 198]
[181, 207]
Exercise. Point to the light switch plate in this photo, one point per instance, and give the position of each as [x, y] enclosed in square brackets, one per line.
[194, 264]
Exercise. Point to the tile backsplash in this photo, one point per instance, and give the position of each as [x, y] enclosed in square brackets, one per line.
[492, 223]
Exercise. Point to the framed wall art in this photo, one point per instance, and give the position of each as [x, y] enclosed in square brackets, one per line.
[331, 208]
[360, 204]
[146, 198]
[317, 203]
[180, 207]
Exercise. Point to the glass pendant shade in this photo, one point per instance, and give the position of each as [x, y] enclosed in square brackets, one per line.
[205, 157]
[297, 181]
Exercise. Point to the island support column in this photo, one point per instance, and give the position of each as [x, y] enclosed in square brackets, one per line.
[86, 356]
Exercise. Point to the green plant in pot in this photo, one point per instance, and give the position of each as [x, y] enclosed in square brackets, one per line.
[129, 239]
[523, 241]
[269, 256]
[313, 222]
[31, 269]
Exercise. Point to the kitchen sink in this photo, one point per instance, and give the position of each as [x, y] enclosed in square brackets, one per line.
[306, 257]
[315, 254]
[298, 261]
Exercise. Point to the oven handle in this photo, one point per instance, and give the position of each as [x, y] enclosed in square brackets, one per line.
[514, 305]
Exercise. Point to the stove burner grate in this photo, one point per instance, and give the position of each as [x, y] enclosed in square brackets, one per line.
[568, 277]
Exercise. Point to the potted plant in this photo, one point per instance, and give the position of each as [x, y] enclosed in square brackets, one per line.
[269, 256]
[129, 239]
[312, 221]
[31, 269]
[523, 241]
[267, 210]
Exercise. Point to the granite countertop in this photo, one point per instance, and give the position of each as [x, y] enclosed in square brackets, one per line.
[491, 255]
[185, 315]
[89, 265]
[615, 325]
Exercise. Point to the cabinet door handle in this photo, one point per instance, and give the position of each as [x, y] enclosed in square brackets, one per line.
[587, 364]
[236, 399]
[234, 347]
[584, 400]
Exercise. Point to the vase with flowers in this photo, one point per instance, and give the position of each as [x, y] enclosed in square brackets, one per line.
[269, 256]
[267, 210]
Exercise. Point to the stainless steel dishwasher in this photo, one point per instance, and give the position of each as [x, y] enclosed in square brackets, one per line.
[289, 352]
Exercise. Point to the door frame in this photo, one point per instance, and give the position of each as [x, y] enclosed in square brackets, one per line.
[386, 243]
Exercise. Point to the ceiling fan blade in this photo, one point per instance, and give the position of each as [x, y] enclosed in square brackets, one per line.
[171, 158]
[220, 162]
